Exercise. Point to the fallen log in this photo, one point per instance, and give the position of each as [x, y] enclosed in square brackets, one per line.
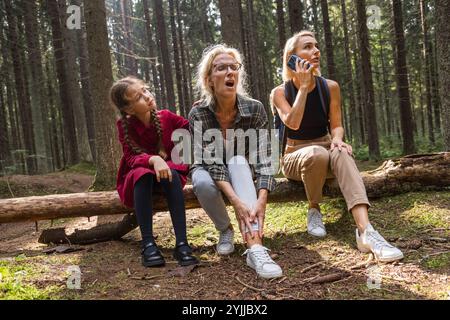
[406, 174]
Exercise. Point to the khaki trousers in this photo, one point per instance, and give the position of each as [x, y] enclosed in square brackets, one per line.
[312, 162]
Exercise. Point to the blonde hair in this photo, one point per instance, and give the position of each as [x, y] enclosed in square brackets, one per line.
[204, 70]
[289, 49]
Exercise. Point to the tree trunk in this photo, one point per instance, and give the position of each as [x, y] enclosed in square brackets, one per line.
[295, 8]
[443, 39]
[67, 107]
[396, 176]
[186, 81]
[23, 97]
[315, 17]
[165, 55]
[368, 90]
[328, 41]
[73, 83]
[107, 146]
[177, 59]
[9, 103]
[281, 28]
[39, 101]
[130, 60]
[153, 56]
[231, 23]
[402, 80]
[425, 54]
[349, 74]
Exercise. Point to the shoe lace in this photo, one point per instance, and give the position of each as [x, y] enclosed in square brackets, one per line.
[226, 236]
[316, 220]
[261, 256]
[377, 240]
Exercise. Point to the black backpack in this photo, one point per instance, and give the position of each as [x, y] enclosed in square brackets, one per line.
[324, 94]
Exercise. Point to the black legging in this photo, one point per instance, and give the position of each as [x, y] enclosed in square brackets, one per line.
[143, 194]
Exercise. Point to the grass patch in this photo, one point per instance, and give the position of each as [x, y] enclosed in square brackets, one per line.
[14, 283]
[438, 262]
[83, 167]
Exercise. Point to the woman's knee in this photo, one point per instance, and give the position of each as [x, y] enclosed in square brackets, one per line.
[317, 155]
[203, 185]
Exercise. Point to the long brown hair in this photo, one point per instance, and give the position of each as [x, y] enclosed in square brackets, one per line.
[119, 99]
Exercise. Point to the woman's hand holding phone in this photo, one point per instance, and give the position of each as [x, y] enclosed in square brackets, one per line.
[303, 71]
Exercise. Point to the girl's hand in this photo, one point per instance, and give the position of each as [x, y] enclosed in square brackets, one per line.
[303, 73]
[243, 217]
[161, 168]
[259, 213]
[338, 143]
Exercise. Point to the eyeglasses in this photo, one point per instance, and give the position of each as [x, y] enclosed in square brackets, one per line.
[224, 66]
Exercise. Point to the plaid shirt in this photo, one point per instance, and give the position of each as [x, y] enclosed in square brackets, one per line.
[250, 115]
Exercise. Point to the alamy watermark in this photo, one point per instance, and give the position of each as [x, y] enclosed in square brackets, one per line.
[374, 277]
[74, 279]
[73, 22]
[374, 17]
[259, 146]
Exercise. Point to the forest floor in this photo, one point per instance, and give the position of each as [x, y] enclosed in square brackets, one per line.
[419, 223]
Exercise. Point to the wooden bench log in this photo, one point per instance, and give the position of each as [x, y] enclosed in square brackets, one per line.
[406, 174]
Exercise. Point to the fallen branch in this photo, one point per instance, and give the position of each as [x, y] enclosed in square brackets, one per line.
[248, 286]
[312, 266]
[329, 278]
[410, 173]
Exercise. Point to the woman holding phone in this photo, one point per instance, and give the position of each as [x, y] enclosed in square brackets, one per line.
[310, 108]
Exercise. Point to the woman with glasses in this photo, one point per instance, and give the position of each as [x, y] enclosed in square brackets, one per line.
[220, 166]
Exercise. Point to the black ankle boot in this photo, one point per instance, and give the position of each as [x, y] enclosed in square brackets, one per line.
[151, 256]
[183, 253]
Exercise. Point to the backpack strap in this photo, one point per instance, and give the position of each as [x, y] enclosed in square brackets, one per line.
[289, 94]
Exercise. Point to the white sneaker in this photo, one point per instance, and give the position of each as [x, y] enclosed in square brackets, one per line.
[225, 246]
[259, 260]
[315, 224]
[372, 241]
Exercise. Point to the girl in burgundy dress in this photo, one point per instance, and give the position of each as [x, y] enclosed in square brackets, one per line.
[145, 135]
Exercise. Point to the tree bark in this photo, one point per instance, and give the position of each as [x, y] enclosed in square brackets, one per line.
[161, 34]
[130, 60]
[367, 81]
[86, 92]
[396, 176]
[281, 27]
[328, 41]
[443, 36]
[73, 83]
[177, 59]
[107, 146]
[71, 155]
[295, 8]
[39, 101]
[231, 23]
[349, 75]
[151, 51]
[186, 78]
[402, 80]
[425, 54]
[23, 97]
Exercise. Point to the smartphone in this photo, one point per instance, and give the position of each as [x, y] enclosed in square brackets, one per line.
[293, 60]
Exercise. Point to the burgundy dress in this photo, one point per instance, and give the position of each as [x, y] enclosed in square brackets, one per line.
[133, 166]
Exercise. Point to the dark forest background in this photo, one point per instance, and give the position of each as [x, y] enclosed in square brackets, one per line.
[55, 74]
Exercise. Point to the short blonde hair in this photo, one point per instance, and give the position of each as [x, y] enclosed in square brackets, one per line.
[289, 49]
[204, 70]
